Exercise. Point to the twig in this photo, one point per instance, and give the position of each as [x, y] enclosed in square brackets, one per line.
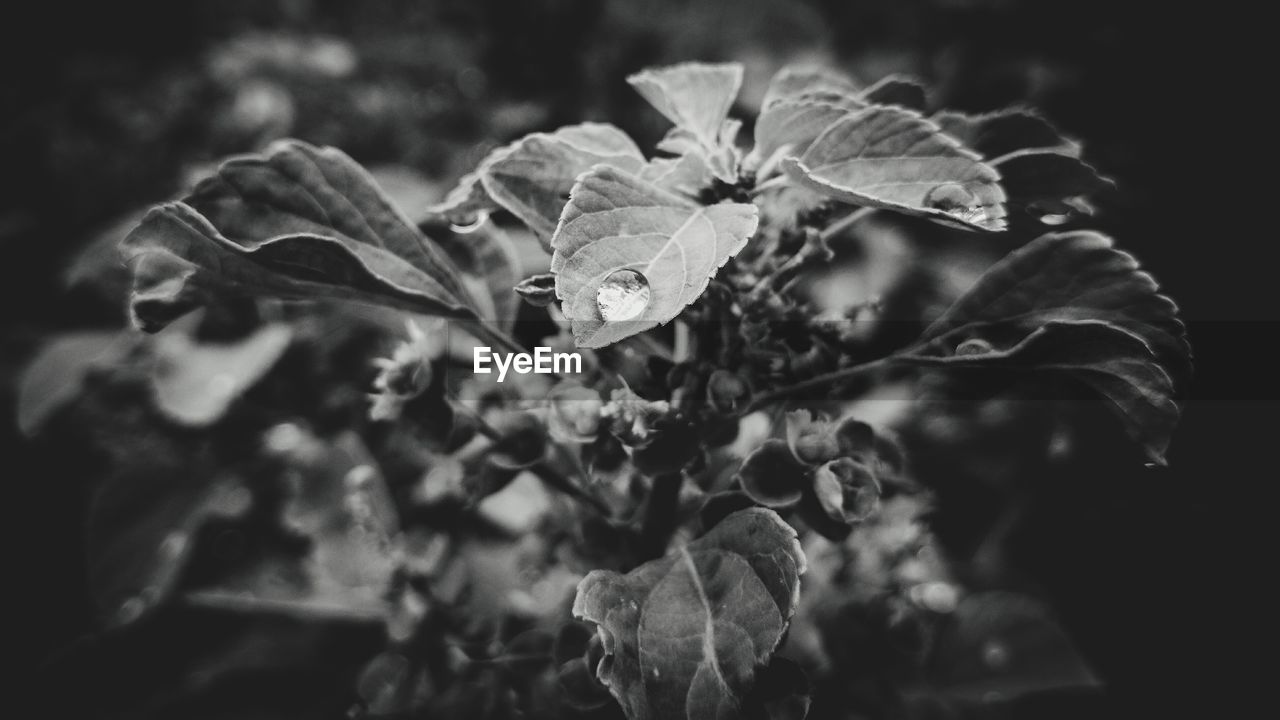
[846, 222]
[818, 381]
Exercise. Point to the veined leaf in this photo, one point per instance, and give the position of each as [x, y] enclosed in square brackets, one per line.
[1069, 302]
[795, 81]
[695, 96]
[684, 635]
[896, 90]
[665, 247]
[893, 158]
[297, 222]
[688, 174]
[531, 176]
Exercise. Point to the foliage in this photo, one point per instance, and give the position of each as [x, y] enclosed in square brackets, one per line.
[652, 536]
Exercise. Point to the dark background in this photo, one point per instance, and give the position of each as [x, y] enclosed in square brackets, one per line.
[106, 104]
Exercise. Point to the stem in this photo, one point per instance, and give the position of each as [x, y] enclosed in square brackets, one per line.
[660, 515]
[817, 382]
[846, 222]
[770, 184]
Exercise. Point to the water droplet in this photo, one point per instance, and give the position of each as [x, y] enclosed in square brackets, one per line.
[481, 219]
[974, 346]
[623, 295]
[995, 655]
[957, 201]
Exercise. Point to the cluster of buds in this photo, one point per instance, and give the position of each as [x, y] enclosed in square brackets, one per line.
[832, 473]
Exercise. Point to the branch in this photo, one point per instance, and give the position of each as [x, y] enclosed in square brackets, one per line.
[660, 520]
[818, 381]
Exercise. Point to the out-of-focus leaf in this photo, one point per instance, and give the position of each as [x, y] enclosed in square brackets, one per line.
[896, 90]
[999, 133]
[683, 635]
[390, 684]
[1070, 302]
[54, 376]
[782, 691]
[490, 270]
[1004, 645]
[531, 177]
[617, 227]
[695, 96]
[892, 158]
[297, 222]
[1048, 180]
[337, 500]
[195, 382]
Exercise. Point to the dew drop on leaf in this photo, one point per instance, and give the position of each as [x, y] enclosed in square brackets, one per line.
[623, 295]
[956, 200]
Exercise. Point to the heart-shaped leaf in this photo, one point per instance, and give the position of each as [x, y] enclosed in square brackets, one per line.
[297, 222]
[893, 158]
[684, 635]
[1071, 302]
[629, 256]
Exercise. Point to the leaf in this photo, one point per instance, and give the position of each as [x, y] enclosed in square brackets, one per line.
[1003, 644]
[695, 96]
[533, 178]
[790, 125]
[491, 268]
[297, 222]
[794, 81]
[997, 134]
[1070, 302]
[683, 635]
[336, 499]
[615, 221]
[54, 375]
[688, 174]
[1048, 179]
[896, 90]
[194, 383]
[892, 158]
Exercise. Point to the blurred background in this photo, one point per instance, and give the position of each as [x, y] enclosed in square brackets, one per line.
[108, 107]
